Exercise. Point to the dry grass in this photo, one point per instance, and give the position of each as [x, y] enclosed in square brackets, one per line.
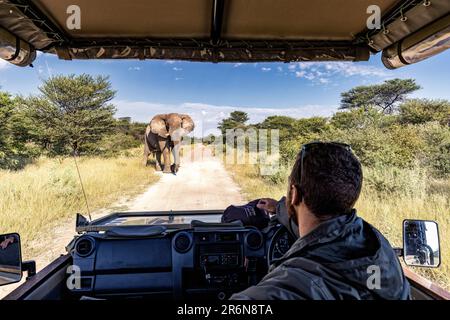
[414, 196]
[37, 198]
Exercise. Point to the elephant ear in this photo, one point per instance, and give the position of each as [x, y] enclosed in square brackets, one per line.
[173, 121]
[187, 123]
[158, 125]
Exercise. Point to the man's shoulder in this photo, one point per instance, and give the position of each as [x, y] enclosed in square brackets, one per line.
[287, 282]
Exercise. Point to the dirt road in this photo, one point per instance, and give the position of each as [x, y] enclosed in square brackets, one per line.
[201, 183]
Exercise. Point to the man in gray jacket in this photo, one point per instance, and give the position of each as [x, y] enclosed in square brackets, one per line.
[337, 255]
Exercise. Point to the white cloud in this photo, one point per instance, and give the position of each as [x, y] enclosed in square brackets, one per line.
[178, 78]
[134, 68]
[280, 69]
[170, 61]
[264, 69]
[299, 74]
[326, 72]
[4, 64]
[303, 65]
[177, 69]
[207, 116]
[237, 65]
[349, 69]
[43, 69]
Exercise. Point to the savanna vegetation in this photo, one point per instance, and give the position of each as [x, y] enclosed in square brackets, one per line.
[403, 144]
[39, 137]
[70, 115]
[37, 198]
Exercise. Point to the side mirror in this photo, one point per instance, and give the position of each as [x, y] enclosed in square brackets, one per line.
[10, 259]
[421, 243]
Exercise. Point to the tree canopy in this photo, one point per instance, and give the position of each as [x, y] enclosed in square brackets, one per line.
[237, 119]
[71, 112]
[386, 96]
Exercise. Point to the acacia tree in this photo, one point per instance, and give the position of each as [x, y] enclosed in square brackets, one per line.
[386, 96]
[237, 119]
[71, 112]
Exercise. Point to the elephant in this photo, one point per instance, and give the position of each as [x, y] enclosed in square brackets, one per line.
[163, 135]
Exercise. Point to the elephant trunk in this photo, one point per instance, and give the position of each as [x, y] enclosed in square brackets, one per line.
[176, 153]
[176, 156]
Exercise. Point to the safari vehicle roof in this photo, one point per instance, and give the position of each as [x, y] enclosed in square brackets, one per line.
[216, 30]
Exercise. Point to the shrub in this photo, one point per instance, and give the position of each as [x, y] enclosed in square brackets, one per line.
[15, 152]
[112, 145]
[389, 182]
[436, 151]
[417, 111]
[357, 118]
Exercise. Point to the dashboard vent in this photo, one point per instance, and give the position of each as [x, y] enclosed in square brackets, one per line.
[182, 242]
[254, 240]
[84, 246]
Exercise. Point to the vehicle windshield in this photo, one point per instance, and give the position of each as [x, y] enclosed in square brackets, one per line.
[81, 133]
[160, 219]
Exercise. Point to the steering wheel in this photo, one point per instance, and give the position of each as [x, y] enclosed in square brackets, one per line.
[281, 242]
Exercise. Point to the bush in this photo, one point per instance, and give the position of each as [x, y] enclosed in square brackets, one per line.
[359, 118]
[280, 177]
[418, 111]
[436, 151]
[392, 182]
[112, 145]
[15, 152]
[392, 145]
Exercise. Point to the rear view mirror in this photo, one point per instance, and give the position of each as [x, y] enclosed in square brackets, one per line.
[421, 243]
[10, 259]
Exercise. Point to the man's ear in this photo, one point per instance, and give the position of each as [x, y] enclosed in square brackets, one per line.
[296, 197]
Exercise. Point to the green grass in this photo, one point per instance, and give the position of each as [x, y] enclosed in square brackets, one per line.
[388, 197]
[39, 197]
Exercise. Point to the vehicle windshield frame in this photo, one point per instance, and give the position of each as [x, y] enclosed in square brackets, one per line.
[105, 223]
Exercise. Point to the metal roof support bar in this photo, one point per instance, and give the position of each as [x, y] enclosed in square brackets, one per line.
[217, 20]
[30, 10]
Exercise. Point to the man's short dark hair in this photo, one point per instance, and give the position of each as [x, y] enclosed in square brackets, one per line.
[331, 181]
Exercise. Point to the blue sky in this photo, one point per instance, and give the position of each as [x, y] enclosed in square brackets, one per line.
[210, 91]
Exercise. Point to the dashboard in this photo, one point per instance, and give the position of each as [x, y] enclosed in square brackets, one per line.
[206, 262]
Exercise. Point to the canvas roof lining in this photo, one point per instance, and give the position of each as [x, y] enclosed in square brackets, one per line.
[294, 20]
[243, 19]
[279, 46]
